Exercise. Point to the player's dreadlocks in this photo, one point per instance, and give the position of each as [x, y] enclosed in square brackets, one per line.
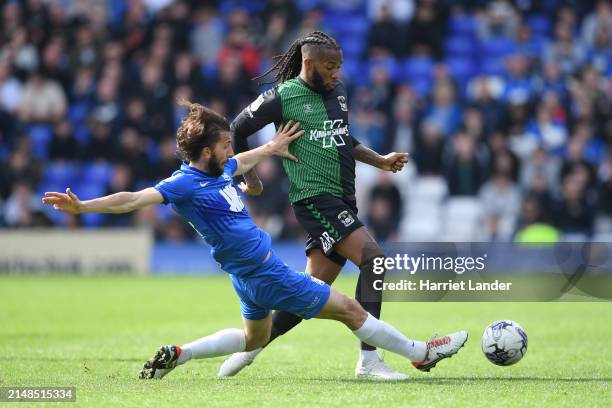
[289, 64]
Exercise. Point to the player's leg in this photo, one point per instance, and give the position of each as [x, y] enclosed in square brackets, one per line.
[423, 355]
[257, 322]
[319, 266]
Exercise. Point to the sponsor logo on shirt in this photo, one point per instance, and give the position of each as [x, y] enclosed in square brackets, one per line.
[332, 134]
[342, 102]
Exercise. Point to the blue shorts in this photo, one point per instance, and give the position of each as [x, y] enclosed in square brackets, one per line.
[275, 286]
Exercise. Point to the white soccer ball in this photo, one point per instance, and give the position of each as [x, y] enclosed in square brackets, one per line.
[504, 342]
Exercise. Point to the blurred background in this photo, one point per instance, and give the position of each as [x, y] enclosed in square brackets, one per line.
[504, 106]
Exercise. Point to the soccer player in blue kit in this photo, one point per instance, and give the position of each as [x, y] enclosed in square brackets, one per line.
[203, 193]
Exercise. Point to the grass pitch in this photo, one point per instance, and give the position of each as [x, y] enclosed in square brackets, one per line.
[95, 333]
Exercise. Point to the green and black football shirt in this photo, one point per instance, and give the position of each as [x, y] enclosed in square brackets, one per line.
[326, 163]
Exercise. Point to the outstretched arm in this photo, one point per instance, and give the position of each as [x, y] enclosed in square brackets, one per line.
[278, 146]
[264, 110]
[115, 203]
[391, 162]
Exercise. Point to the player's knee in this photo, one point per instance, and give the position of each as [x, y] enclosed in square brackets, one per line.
[354, 314]
[256, 340]
[326, 276]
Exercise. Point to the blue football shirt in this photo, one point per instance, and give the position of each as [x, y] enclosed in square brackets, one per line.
[212, 206]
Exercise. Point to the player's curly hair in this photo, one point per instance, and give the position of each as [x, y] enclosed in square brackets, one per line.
[200, 128]
[289, 64]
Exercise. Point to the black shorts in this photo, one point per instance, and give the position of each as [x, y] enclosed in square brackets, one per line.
[327, 220]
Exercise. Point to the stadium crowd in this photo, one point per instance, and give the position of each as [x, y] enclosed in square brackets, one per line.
[505, 107]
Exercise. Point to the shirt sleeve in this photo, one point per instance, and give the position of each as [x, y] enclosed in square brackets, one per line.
[231, 166]
[175, 189]
[265, 109]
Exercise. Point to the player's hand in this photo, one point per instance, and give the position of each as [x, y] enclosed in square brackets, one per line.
[286, 134]
[68, 202]
[253, 191]
[394, 161]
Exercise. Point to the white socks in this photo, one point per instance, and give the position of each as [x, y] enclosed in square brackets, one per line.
[380, 334]
[221, 343]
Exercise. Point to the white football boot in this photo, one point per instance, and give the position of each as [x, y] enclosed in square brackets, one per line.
[236, 362]
[377, 369]
[441, 348]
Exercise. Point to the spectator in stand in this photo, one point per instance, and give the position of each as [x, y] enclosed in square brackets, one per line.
[540, 173]
[600, 18]
[401, 10]
[382, 37]
[575, 211]
[426, 30]
[233, 86]
[63, 145]
[429, 148]
[605, 195]
[238, 46]
[11, 89]
[499, 20]
[43, 100]
[20, 205]
[385, 208]
[207, 35]
[444, 111]
[101, 146]
[500, 200]
[532, 225]
[564, 50]
[464, 173]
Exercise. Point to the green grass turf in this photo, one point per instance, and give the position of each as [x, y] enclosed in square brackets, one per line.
[94, 333]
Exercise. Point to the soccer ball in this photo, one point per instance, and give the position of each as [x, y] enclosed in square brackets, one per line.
[504, 342]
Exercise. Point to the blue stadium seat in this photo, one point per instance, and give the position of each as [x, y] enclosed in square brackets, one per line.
[460, 68]
[40, 136]
[87, 191]
[92, 220]
[389, 64]
[419, 67]
[540, 24]
[464, 25]
[353, 47]
[77, 113]
[421, 86]
[496, 47]
[306, 5]
[493, 66]
[96, 173]
[460, 46]
[81, 133]
[61, 172]
[346, 26]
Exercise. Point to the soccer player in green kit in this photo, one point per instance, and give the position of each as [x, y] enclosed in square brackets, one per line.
[322, 181]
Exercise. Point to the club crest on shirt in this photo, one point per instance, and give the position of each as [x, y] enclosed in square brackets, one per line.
[226, 177]
[346, 218]
[308, 108]
[342, 102]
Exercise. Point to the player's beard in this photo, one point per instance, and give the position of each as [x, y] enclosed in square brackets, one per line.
[317, 81]
[214, 166]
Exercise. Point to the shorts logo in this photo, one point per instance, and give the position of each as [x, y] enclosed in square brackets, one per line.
[308, 108]
[327, 242]
[342, 102]
[317, 281]
[346, 218]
